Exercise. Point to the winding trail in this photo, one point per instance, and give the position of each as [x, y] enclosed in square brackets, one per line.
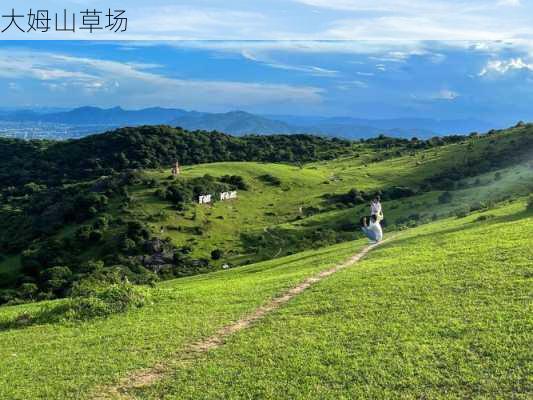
[151, 375]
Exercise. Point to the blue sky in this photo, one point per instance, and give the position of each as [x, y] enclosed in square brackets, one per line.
[490, 81]
[363, 58]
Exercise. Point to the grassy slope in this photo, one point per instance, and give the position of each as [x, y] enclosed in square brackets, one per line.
[449, 314]
[444, 311]
[264, 207]
[66, 360]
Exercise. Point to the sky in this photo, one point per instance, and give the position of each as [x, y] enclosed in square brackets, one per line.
[300, 19]
[361, 58]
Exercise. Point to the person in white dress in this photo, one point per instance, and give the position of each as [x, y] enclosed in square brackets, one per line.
[372, 229]
[376, 209]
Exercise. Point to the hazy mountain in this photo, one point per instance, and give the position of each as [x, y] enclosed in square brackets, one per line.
[404, 127]
[114, 116]
[234, 122]
[241, 123]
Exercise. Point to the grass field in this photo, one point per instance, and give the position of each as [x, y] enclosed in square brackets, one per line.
[264, 207]
[59, 361]
[444, 311]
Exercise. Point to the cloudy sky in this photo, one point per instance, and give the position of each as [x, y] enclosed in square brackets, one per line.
[361, 58]
[301, 19]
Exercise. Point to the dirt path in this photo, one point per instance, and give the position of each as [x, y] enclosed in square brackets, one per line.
[147, 377]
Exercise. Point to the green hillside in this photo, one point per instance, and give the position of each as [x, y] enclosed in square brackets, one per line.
[442, 310]
[109, 205]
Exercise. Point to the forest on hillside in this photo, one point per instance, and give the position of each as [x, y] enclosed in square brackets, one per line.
[85, 184]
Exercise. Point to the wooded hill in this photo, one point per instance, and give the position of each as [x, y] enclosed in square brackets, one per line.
[106, 205]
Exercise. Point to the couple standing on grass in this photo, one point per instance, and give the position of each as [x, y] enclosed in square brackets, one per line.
[371, 226]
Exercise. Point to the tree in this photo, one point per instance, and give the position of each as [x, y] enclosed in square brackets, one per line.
[445, 198]
[28, 291]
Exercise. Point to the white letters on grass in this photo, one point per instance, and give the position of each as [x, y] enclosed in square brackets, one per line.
[204, 199]
[207, 198]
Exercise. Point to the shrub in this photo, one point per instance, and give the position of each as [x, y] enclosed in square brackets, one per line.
[216, 254]
[56, 279]
[83, 233]
[96, 236]
[462, 213]
[7, 295]
[397, 192]
[28, 291]
[236, 181]
[270, 179]
[476, 206]
[445, 198]
[127, 245]
[84, 308]
[484, 217]
[309, 211]
[529, 206]
[90, 299]
[102, 222]
[137, 231]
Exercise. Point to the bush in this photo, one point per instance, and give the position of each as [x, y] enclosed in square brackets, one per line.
[484, 217]
[137, 231]
[28, 291]
[236, 181]
[96, 236]
[94, 300]
[445, 198]
[397, 192]
[56, 279]
[462, 213]
[89, 299]
[7, 295]
[529, 206]
[216, 254]
[83, 233]
[102, 222]
[476, 206]
[127, 245]
[84, 308]
[270, 179]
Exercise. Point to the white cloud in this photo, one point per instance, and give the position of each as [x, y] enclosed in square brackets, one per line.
[308, 69]
[446, 94]
[447, 27]
[347, 85]
[306, 19]
[140, 87]
[383, 5]
[512, 3]
[503, 66]
[441, 95]
[196, 22]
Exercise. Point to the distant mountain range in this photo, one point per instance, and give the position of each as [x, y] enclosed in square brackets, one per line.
[241, 123]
